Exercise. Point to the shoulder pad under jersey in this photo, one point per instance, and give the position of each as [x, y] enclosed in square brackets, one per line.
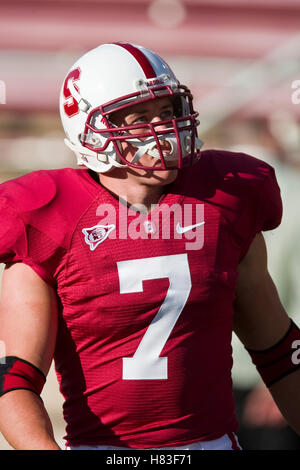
[29, 192]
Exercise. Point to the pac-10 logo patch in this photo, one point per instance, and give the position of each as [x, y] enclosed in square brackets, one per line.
[93, 236]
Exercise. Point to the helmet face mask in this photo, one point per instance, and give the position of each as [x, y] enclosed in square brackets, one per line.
[100, 141]
[179, 132]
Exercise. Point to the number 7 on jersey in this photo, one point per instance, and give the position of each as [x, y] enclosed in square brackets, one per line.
[146, 363]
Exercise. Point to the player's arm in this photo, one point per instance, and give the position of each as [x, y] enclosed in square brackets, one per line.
[262, 324]
[28, 327]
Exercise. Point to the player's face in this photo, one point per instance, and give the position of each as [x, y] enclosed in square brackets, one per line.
[160, 109]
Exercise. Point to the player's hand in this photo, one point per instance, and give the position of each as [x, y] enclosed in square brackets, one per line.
[261, 410]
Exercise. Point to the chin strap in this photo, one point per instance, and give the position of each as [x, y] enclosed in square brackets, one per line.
[95, 161]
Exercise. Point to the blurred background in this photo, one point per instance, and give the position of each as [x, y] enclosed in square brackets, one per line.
[240, 59]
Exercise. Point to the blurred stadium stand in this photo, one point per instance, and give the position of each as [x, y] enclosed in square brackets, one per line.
[239, 58]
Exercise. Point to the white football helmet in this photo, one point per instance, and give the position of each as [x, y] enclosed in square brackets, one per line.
[115, 76]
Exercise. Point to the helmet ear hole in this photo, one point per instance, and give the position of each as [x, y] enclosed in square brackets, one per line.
[94, 140]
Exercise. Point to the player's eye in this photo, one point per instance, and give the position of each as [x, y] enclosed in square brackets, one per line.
[167, 114]
[140, 119]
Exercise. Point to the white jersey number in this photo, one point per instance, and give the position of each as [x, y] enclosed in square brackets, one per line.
[146, 363]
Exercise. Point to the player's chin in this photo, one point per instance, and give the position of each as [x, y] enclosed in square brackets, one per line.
[162, 177]
[154, 172]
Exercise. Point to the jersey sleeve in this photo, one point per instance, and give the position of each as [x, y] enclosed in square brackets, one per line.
[21, 240]
[268, 210]
[270, 204]
[12, 235]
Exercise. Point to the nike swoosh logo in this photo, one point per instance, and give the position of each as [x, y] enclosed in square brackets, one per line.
[180, 229]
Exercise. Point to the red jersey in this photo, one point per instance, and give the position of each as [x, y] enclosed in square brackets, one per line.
[143, 352]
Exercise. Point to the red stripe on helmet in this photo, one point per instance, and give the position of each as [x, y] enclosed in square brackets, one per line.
[140, 57]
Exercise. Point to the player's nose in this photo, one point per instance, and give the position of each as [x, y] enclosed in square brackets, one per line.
[164, 145]
[157, 120]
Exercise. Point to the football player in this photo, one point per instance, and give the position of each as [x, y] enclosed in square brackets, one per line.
[133, 270]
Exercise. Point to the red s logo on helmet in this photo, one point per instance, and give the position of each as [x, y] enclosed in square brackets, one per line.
[71, 105]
